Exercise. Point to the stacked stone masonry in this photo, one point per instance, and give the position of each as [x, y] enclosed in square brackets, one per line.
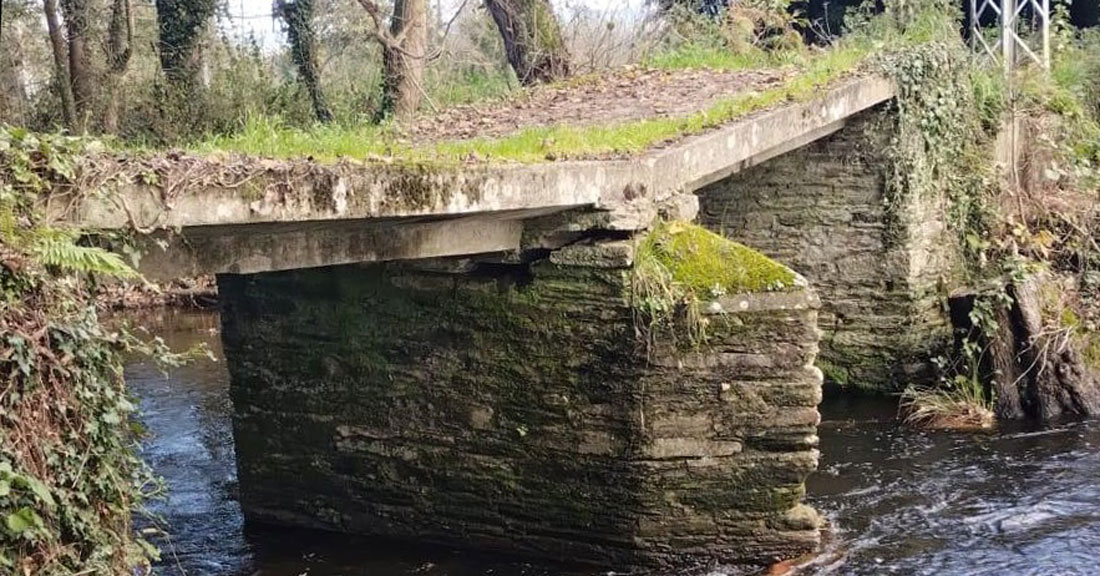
[511, 408]
[880, 270]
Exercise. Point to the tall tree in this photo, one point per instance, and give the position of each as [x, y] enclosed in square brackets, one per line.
[180, 24]
[60, 51]
[14, 67]
[120, 42]
[81, 78]
[532, 39]
[297, 15]
[404, 52]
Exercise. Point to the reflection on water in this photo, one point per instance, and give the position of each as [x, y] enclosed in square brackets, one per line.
[1017, 501]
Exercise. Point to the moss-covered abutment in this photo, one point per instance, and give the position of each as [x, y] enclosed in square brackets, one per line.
[514, 408]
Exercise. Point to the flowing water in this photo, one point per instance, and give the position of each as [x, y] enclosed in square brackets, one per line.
[1013, 502]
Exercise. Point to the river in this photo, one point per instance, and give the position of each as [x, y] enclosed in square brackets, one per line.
[1018, 501]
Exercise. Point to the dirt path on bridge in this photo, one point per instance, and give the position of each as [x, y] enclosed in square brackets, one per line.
[625, 95]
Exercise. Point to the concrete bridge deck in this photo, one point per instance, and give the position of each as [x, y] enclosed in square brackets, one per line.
[253, 215]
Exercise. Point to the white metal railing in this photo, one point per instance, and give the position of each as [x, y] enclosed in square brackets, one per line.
[1023, 27]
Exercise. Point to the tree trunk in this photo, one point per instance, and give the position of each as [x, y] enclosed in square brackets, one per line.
[532, 39]
[1041, 374]
[120, 39]
[298, 16]
[1059, 382]
[80, 72]
[180, 24]
[60, 61]
[1007, 372]
[403, 59]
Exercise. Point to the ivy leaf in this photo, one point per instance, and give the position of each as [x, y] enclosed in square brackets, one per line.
[23, 520]
[5, 488]
[39, 489]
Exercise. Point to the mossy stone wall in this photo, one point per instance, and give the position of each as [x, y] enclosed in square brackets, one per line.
[878, 268]
[512, 409]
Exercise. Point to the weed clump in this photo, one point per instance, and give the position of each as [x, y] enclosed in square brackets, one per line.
[964, 405]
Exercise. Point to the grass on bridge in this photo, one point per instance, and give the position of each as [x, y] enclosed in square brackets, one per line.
[807, 73]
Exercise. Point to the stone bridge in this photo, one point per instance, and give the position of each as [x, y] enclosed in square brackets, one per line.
[453, 353]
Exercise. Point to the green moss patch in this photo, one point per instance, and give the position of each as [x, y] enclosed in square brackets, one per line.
[680, 265]
[705, 265]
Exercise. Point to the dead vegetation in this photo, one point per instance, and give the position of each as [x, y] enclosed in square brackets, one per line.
[620, 96]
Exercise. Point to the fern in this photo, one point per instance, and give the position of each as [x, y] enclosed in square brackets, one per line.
[58, 249]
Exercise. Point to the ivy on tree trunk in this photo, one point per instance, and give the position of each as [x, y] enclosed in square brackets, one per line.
[180, 24]
[404, 52]
[80, 73]
[61, 61]
[532, 39]
[298, 17]
[403, 61]
[120, 43]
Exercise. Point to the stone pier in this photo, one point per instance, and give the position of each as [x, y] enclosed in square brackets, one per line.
[882, 271]
[516, 408]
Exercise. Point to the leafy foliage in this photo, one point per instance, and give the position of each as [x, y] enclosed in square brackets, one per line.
[950, 107]
[939, 153]
[69, 477]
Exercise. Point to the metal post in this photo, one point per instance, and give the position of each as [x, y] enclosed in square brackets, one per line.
[1014, 44]
[975, 25]
[1008, 34]
[1046, 34]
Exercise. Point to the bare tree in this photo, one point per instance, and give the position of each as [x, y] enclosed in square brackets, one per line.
[532, 39]
[297, 15]
[404, 52]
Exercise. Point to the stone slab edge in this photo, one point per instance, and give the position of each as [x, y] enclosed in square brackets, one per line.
[352, 190]
[798, 299]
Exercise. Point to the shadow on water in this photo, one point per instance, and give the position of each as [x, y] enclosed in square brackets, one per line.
[1017, 501]
[189, 418]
